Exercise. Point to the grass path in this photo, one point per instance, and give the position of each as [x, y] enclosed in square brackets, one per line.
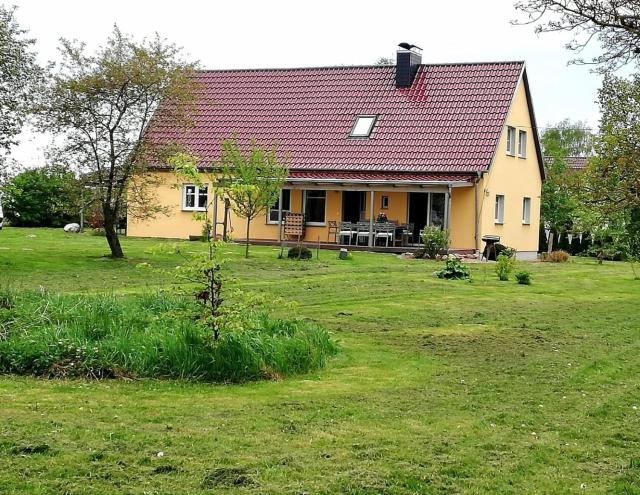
[440, 387]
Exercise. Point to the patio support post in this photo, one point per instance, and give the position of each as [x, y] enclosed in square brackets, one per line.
[447, 208]
[280, 218]
[371, 205]
[447, 211]
[214, 234]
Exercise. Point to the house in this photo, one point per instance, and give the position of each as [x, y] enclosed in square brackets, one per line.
[452, 145]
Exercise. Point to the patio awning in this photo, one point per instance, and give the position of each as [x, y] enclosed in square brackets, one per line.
[386, 179]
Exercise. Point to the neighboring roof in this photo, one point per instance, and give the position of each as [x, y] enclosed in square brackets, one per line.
[574, 162]
[448, 121]
[577, 162]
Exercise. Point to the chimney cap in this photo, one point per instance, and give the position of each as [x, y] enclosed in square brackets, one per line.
[409, 46]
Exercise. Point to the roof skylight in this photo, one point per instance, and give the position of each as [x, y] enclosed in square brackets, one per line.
[363, 126]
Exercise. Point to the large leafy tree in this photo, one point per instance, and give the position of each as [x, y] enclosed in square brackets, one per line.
[42, 197]
[102, 103]
[614, 23]
[611, 184]
[613, 179]
[251, 180]
[19, 77]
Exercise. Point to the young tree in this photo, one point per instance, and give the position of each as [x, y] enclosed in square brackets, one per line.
[614, 23]
[42, 197]
[102, 105]
[251, 181]
[19, 77]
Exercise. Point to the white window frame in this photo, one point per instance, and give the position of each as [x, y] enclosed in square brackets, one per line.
[384, 202]
[374, 119]
[526, 211]
[499, 209]
[511, 140]
[196, 197]
[304, 208]
[522, 143]
[284, 210]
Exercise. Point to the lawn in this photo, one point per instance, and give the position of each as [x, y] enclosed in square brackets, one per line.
[439, 386]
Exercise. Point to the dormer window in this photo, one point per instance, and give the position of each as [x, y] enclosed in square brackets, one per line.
[363, 126]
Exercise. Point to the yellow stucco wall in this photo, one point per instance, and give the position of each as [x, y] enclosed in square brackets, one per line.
[515, 178]
[462, 218]
[180, 224]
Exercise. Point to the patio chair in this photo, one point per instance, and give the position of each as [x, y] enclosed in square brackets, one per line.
[385, 231]
[346, 230]
[334, 229]
[363, 230]
[408, 232]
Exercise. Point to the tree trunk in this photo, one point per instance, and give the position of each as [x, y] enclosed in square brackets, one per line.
[110, 232]
[246, 250]
[550, 243]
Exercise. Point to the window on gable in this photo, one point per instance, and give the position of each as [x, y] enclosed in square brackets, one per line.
[526, 211]
[511, 140]
[195, 198]
[522, 144]
[286, 206]
[499, 216]
[363, 126]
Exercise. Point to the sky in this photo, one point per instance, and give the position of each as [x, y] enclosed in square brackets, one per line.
[284, 33]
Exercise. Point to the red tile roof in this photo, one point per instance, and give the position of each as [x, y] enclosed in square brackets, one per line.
[577, 162]
[573, 162]
[448, 121]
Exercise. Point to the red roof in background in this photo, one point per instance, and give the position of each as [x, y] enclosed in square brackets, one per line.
[449, 120]
[573, 162]
[577, 162]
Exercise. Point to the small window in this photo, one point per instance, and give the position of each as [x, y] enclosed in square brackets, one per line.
[286, 206]
[363, 126]
[314, 207]
[522, 144]
[384, 204]
[499, 217]
[511, 140]
[195, 198]
[526, 211]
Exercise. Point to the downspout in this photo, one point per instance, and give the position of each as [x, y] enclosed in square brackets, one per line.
[448, 214]
[477, 217]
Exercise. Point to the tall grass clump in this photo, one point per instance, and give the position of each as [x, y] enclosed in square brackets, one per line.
[148, 336]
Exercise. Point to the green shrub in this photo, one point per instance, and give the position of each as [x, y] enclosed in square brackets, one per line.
[103, 336]
[299, 253]
[434, 239]
[454, 269]
[523, 277]
[98, 231]
[504, 266]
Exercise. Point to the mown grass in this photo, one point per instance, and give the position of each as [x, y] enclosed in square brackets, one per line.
[440, 387]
